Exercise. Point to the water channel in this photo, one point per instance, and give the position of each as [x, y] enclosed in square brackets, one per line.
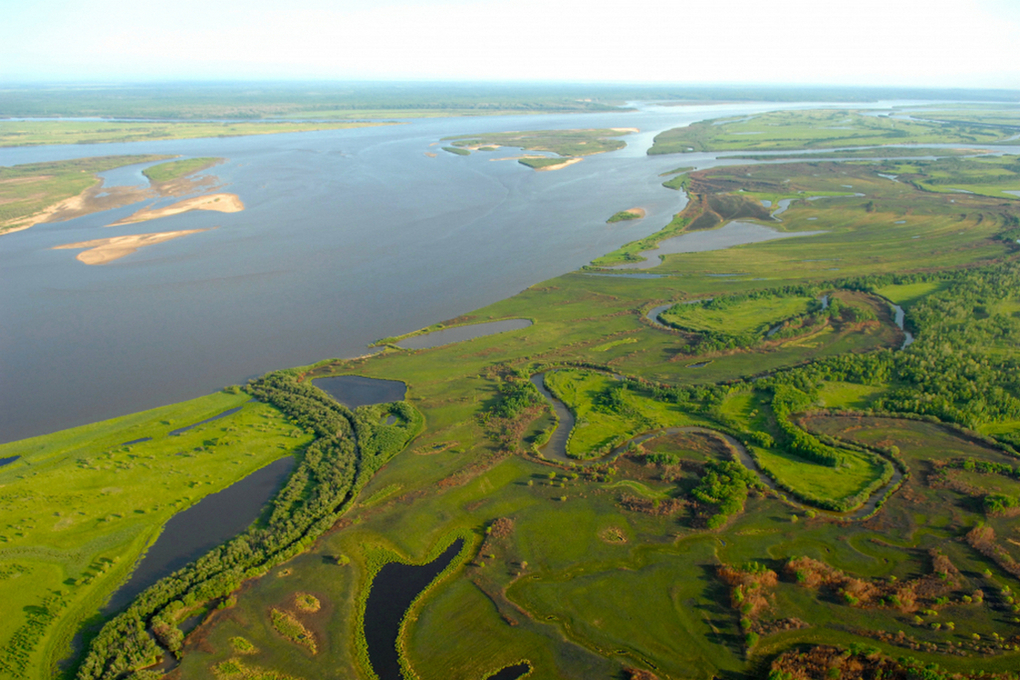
[393, 590]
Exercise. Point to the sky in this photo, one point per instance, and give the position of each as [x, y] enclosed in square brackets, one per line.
[929, 43]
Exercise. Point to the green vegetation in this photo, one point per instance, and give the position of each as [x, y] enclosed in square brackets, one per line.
[831, 499]
[81, 506]
[349, 447]
[539, 163]
[785, 130]
[165, 172]
[34, 133]
[623, 216]
[608, 412]
[737, 314]
[291, 629]
[565, 143]
[458, 152]
[26, 191]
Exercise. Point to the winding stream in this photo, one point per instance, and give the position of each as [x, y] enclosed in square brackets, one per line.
[556, 449]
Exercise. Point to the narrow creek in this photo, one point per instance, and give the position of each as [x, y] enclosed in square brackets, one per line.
[556, 449]
[393, 590]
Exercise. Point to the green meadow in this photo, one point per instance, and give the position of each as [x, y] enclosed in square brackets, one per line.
[166, 172]
[788, 130]
[711, 553]
[80, 506]
[566, 143]
[35, 133]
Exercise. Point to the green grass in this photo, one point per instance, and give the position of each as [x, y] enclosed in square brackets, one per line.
[908, 294]
[539, 163]
[819, 481]
[79, 507]
[26, 190]
[584, 587]
[34, 133]
[457, 152]
[738, 318]
[165, 172]
[598, 429]
[849, 396]
[623, 216]
[785, 130]
[566, 143]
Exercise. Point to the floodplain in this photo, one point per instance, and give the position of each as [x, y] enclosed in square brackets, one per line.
[766, 470]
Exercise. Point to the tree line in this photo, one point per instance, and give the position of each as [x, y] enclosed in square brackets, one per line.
[323, 485]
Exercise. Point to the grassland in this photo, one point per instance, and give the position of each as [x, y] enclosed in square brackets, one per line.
[35, 133]
[27, 191]
[747, 315]
[602, 426]
[167, 172]
[625, 215]
[80, 506]
[787, 130]
[587, 571]
[565, 143]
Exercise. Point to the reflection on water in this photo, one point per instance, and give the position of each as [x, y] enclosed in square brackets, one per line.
[735, 233]
[190, 534]
[355, 390]
[392, 592]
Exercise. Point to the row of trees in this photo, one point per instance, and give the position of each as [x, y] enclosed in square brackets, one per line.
[320, 489]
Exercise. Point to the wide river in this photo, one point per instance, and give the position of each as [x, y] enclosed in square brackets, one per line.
[347, 236]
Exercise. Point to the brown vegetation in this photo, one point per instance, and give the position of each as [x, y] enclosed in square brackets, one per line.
[907, 596]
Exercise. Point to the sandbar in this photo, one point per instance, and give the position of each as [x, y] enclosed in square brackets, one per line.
[104, 250]
[227, 203]
[625, 129]
[558, 166]
[640, 212]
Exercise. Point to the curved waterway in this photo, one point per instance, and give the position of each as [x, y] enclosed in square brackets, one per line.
[393, 590]
[899, 317]
[556, 449]
[193, 532]
[447, 336]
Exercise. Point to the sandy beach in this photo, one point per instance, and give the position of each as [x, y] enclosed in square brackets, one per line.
[226, 203]
[105, 250]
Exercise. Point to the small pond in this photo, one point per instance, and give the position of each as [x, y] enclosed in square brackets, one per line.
[735, 233]
[393, 590]
[193, 532]
[447, 336]
[8, 460]
[511, 672]
[181, 430]
[356, 390]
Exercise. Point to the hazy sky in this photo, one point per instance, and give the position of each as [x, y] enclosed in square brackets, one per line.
[964, 43]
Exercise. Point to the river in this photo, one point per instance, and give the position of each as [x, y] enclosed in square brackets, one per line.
[347, 236]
